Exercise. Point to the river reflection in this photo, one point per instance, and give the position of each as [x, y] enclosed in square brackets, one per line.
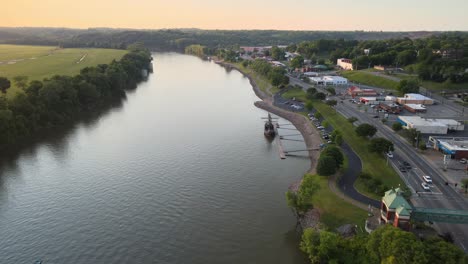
[179, 173]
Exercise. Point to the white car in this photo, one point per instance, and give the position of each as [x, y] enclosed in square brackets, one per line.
[463, 160]
[389, 154]
[425, 186]
[427, 178]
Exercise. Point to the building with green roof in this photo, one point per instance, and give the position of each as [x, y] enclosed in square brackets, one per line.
[395, 209]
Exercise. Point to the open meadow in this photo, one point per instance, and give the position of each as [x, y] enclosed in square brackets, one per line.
[39, 62]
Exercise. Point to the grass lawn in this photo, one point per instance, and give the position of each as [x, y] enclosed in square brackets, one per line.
[336, 211]
[372, 163]
[370, 79]
[41, 62]
[296, 92]
[262, 82]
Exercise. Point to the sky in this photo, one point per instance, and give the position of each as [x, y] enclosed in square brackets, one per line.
[395, 15]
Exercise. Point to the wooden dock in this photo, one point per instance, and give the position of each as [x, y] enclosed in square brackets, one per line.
[280, 144]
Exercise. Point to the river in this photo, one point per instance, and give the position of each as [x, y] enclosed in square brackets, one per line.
[179, 173]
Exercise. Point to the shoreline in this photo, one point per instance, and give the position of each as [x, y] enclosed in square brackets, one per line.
[310, 134]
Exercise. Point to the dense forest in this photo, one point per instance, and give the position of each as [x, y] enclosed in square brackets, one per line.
[178, 39]
[62, 99]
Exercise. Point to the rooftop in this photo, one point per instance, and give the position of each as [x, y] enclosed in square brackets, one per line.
[394, 200]
[415, 96]
[416, 106]
[419, 121]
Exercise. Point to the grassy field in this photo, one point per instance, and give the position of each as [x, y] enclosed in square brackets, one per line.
[39, 62]
[262, 82]
[296, 92]
[369, 79]
[334, 210]
[372, 163]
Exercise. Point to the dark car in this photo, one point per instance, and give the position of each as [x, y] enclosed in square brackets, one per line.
[376, 116]
[406, 165]
[402, 169]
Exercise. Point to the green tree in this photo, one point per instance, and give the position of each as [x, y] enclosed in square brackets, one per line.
[325, 124]
[397, 126]
[331, 90]
[366, 130]
[321, 246]
[326, 165]
[21, 81]
[335, 153]
[320, 96]
[297, 62]
[4, 84]
[317, 115]
[309, 186]
[277, 53]
[408, 86]
[380, 145]
[291, 199]
[439, 251]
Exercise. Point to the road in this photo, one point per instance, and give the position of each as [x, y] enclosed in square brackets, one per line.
[440, 196]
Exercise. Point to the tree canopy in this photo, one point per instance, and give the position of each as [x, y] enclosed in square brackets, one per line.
[366, 130]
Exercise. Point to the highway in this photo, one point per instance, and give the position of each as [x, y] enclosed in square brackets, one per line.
[440, 196]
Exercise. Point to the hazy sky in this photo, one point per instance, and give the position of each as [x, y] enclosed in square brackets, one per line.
[395, 15]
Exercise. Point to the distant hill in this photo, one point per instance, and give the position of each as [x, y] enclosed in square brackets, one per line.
[177, 39]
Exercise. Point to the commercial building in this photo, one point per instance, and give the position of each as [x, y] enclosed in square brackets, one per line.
[375, 100]
[345, 64]
[390, 107]
[395, 210]
[413, 98]
[329, 80]
[415, 108]
[456, 147]
[356, 91]
[430, 126]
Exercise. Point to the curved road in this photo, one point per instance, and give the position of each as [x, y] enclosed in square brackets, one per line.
[346, 182]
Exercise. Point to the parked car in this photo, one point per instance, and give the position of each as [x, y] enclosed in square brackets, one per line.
[463, 160]
[320, 127]
[427, 178]
[376, 116]
[389, 154]
[425, 186]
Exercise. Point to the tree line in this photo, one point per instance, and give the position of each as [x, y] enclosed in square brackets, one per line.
[60, 100]
[387, 244]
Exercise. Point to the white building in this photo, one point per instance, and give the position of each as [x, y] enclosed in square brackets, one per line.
[345, 64]
[329, 80]
[430, 126]
[413, 98]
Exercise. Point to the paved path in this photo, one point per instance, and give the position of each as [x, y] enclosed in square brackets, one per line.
[346, 182]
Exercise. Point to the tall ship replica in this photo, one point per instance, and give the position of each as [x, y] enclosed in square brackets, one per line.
[269, 128]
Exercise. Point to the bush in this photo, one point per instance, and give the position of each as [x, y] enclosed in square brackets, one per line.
[335, 153]
[352, 119]
[397, 126]
[366, 130]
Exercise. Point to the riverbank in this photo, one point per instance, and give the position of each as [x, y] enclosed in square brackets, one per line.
[309, 133]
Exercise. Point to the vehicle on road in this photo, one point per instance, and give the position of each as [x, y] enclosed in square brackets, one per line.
[407, 165]
[402, 169]
[389, 154]
[427, 178]
[463, 160]
[376, 116]
[425, 186]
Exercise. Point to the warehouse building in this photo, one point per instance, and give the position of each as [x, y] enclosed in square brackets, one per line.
[413, 98]
[329, 80]
[415, 108]
[430, 126]
[456, 147]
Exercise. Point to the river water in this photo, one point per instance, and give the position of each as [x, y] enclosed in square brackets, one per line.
[179, 173]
